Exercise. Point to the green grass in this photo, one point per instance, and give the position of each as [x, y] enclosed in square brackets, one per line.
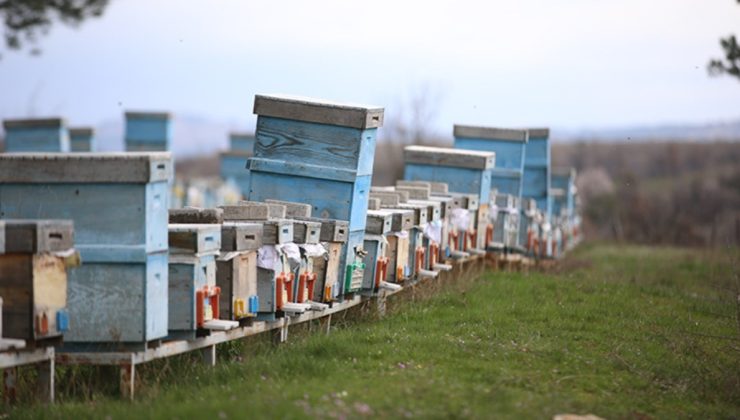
[616, 331]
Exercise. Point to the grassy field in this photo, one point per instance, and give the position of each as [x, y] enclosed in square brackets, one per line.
[615, 331]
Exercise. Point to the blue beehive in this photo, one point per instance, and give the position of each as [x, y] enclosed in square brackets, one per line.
[148, 131]
[508, 144]
[242, 142]
[234, 161]
[320, 153]
[537, 169]
[81, 139]
[465, 171]
[36, 135]
[118, 203]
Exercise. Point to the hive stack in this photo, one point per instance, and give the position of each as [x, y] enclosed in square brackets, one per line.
[320, 153]
[147, 131]
[36, 135]
[33, 279]
[118, 203]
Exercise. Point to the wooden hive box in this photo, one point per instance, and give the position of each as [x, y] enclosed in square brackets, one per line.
[193, 295]
[81, 139]
[333, 235]
[147, 131]
[36, 135]
[508, 145]
[536, 183]
[379, 223]
[236, 269]
[243, 142]
[397, 236]
[321, 153]
[118, 203]
[33, 278]
[233, 168]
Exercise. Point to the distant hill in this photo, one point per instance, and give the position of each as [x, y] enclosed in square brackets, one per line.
[720, 131]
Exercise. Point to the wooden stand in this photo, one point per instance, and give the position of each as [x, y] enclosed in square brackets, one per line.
[43, 357]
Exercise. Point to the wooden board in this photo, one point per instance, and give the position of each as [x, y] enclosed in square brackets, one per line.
[318, 111]
[491, 133]
[196, 215]
[117, 302]
[98, 168]
[442, 156]
[237, 279]
[293, 209]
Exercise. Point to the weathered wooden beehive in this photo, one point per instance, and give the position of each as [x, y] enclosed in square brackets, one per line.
[465, 171]
[402, 222]
[320, 153]
[234, 161]
[33, 278]
[147, 131]
[81, 139]
[325, 263]
[432, 229]
[118, 203]
[36, 135]
[379, 223]
[193, 295]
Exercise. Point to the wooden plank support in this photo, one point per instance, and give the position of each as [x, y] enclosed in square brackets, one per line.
[43, 357]
[209, 355]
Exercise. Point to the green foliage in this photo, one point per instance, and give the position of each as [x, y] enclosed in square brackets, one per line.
[24, 20]
[617, 331]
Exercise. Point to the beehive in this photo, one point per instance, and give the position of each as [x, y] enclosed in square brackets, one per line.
[147, 131]
[118, 203]
[379, 223]
[33, 278]
[36, 135]
[320, 153]
[81, 139]
[193, 295]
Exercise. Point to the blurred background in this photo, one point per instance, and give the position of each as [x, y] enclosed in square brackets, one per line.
[628, 88]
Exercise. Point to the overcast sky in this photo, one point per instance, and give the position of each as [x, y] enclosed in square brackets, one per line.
[564, 63]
